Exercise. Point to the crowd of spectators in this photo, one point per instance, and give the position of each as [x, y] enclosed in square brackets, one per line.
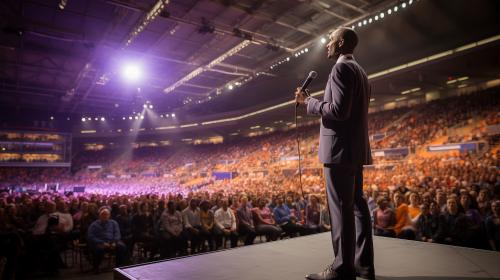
[164, 202]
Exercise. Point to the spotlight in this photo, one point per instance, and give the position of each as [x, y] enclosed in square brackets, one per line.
[323, 40]
[389, 11]
[364, 22]
[102, 119]
[403, 5]
[173, 115]
[166, 115]
[376, 17]
[370, 20]
[381, 15]
[129, 118]
[302, 51]
[51, 118]
[409, 2]
[395, 9]
[230, 87]
[359, 24]
[132, 73]
[83, 119]
[123, 118]
[150, 106]
[145, 106]
[306, 50]
[96, 119]
[142, 117]
[161, 116]
[136, 117]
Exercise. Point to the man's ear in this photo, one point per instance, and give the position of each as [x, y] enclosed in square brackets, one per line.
[340, 44]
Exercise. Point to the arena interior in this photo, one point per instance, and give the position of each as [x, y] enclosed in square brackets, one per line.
[178, 118]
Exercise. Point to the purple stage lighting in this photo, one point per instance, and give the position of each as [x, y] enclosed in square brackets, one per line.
[132, 72]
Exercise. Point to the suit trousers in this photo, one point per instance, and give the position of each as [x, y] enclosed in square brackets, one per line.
[350, 219]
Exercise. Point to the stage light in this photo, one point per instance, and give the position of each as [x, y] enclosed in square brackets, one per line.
[288, 59]
[323, 40]
[129, 118]
[395, 9]
[403, 5]
[132, 72]
[173, 115]
[306, 49]
[96, 119]
[51, 118]
[123, 118]
[364, 22]
[409, 2]
[136, 117]
[102, 119]
[142, 117]
[83, 119]
[230, 87]
[381, 15]
[144, 106]
[359, 24]
[376, 17]
[62, 4]
[389, 11]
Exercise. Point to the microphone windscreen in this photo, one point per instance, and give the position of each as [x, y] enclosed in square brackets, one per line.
[313, 74]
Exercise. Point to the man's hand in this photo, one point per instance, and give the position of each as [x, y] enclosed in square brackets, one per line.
[300, 96]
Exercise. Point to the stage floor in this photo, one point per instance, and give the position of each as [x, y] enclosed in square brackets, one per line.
[293, 258]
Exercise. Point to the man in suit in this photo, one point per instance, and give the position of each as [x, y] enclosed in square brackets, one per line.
[343, 149]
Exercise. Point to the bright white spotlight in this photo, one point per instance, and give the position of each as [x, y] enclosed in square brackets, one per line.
[364, 22]
[129, 118]
[376, 17]
[230, 87]
[166, 115]
[381, 15]
[132, 72]
[395, 9]
[142, 117]
[359, 24]
[150, 106]
[173, 115]
[103, 119]
[96, 119]
[409, 2]
[83, 119]
[145, 106]
[306, 49]
[123, 118]
[389, 11]
[136, 117]
[323, 40]
[403, 5]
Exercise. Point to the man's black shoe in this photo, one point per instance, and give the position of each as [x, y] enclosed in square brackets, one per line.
[365, 276]
[327, 274]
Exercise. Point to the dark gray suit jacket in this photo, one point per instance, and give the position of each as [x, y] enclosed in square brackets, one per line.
[344, 115]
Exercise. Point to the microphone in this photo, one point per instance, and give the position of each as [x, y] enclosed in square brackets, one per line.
[312, 75]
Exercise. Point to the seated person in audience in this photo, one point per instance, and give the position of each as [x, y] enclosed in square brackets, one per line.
[207, 225]
[403, 226]
[383, 219]
[475, 221]
[325, 223]
[483, 203]
[285, 219]
[143, 230]
[172, 240]
[313, 215]
[264, 222]
[225, 224]
[124, 221]
[192, 224]
[104, 237]
[453, 225]
[295, 210]
[245, 219]
[492, 224]
[414, 207]
[47, 241]
[428, 222]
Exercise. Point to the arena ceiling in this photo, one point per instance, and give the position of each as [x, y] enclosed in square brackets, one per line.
[200, 58]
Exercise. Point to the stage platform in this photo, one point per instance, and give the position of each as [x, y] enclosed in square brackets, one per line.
[293, 258]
